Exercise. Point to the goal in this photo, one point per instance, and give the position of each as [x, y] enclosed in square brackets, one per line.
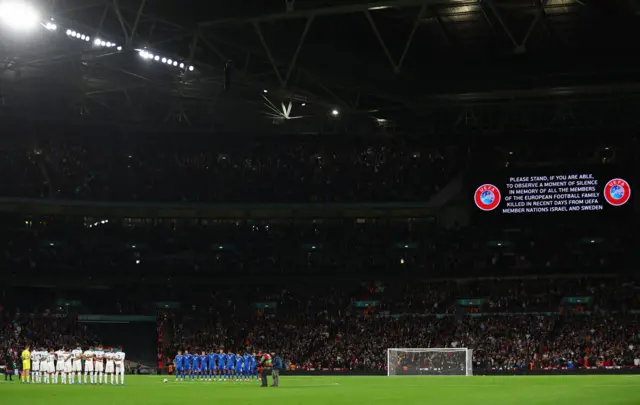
[428, 361]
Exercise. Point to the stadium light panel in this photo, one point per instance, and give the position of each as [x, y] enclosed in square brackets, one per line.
[19, 16]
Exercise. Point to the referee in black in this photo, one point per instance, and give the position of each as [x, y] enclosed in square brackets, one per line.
[9, 365]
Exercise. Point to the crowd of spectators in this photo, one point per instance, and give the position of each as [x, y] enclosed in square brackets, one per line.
[353, 327]
[290, 169]
[43, 246]
[48, 328]
[511, 322]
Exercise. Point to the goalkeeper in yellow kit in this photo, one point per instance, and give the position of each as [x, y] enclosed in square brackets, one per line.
[26, 365]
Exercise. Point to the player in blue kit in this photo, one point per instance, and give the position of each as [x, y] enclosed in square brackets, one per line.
[247, 366]
[239, 367]
[231, 364]
[195, 366]
[222, 365]
[253, 370]
[177, 365]
[203, 371]
[211, 365]
[186, 364]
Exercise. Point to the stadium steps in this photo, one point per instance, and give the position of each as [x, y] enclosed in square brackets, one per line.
[448, 192]
[47, 178]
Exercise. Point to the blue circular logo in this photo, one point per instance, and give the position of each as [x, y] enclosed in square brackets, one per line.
[617, 192]
[487, 197]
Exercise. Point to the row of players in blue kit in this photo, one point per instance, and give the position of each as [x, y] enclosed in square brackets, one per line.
[205, 366]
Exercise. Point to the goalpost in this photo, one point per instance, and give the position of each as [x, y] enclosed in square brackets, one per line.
[428, 361]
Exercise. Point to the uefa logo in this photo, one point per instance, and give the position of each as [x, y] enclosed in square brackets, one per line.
[617, 192]
[487, 197]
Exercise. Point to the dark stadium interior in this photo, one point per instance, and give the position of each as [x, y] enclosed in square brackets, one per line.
[308, 188]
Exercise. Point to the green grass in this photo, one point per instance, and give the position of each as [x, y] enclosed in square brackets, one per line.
[140, 390]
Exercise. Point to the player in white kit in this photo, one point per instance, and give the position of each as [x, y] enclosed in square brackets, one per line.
[120, 356]
[88, 366]
[61, 356]
[43, 365]
[110, 367]
[98, 355]
[35, 365]
[76, 365]
[50, 368]
[68, 367]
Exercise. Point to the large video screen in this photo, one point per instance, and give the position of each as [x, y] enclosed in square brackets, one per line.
[544, 191]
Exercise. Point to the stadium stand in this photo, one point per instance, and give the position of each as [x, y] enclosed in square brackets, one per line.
[522, 297]
[274, 170]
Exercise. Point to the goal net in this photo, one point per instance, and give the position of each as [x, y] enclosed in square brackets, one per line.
[428, 361]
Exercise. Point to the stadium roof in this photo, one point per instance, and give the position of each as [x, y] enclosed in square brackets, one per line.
[336, 64]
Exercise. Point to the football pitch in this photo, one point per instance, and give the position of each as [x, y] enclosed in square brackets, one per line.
[139, 390]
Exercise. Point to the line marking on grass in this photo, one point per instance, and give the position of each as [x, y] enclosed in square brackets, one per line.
[311, 386]
[335, 384]
[517, 386]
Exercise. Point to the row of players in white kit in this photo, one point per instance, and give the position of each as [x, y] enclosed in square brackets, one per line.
[54, 367]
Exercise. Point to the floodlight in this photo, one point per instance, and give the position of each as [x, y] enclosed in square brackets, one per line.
[51, 26]
[119, 48]
[73, 33]
[88, 38]
[102, 43]
[175, 63]
[169, 62]
[191, 68]
[164, 60]
[83, 37]
[335, 112]
[97, 41]
[156, 58]
[68, 32]
[19, 16]
[182, 66]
